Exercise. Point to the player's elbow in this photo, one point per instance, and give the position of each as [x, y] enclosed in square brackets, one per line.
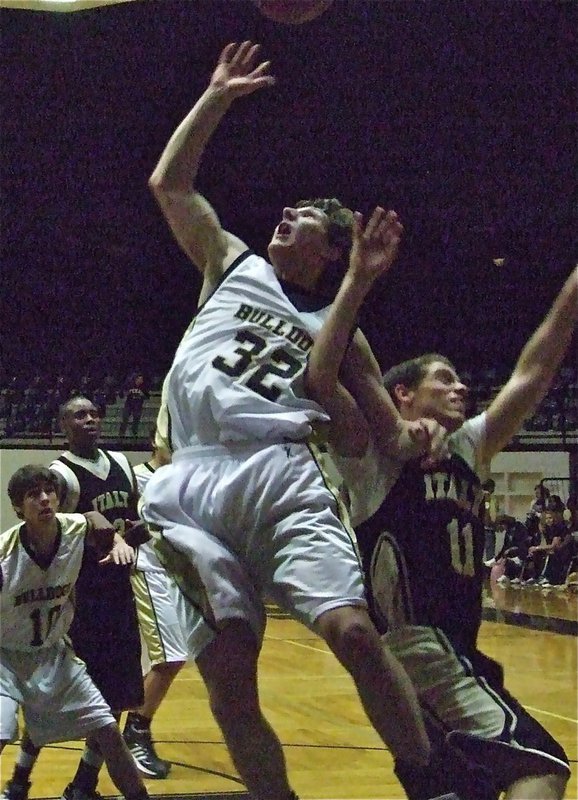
[159, 188]
[167, 189]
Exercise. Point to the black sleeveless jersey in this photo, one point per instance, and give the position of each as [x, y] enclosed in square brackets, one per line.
[423, 549]
[103, 593]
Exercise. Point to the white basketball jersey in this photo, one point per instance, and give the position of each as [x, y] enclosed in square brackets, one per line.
[35, 604]
[142, 473]
[238, 371]
[147, 559]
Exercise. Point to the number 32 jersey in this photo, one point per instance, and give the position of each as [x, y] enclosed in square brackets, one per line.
[423, 549]
[238, 371]
[35, 599]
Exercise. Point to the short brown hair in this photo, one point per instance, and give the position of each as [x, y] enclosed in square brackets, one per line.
[339, 234]
[411, 372]
[26, 478]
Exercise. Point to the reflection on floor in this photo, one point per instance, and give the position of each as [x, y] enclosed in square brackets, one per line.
[530, 607]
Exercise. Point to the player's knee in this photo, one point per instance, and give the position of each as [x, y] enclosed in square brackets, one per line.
[229, 669]
[168, 668]
[551, 786]
[105, 738]
[353, 640]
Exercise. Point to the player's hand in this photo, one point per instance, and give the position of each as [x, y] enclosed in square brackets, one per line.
[429, 439]
[136, 532]
[121, 553]
[238, 72]
[375, 244]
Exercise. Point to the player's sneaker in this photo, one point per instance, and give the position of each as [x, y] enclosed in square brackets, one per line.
[72, 792]
[15, 791]
[142, 748]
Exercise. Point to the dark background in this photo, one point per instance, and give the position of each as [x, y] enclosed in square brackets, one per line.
[460, 115]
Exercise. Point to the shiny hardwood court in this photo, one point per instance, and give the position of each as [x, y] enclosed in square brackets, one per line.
[331, 750]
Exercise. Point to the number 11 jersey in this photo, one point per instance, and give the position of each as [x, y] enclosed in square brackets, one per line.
[423, 549]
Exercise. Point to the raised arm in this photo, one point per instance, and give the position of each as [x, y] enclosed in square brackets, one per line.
[373, 251]
[534, 371]
[193, 221]
[343, 372]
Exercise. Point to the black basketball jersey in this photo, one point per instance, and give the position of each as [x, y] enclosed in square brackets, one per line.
[423, 550]
[102, 592]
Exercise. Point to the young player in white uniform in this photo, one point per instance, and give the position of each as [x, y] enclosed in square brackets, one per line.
[40, 560]
[422, 544]
[244, 497]
[104, 631]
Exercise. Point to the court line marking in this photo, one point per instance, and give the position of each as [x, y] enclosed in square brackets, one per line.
[299, 644]
[551, 714]
[530, 708]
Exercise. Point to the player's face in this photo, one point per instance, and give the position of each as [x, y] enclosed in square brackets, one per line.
[299, 249]
[440, 395]
[82, 422]
[39, 505]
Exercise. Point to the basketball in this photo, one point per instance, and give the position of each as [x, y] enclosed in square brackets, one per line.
[292, 12]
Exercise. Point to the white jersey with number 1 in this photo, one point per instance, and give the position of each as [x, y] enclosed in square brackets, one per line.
[35, 600]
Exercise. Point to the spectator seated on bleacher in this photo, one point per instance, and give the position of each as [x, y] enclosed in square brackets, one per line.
[509, 561]
[537, 508]
[551, 559]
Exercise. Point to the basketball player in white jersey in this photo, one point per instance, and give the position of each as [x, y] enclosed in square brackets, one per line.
[40, 561]
[244, 497]
[104, 630]
[421, 536]
[171, 628]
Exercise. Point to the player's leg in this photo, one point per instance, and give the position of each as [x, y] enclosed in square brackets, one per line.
[19, 784]
[85, 779]
[384, 688]
[11, 699]
[116, 671]
[229, 669]
[448, 774]
[157, 602]
[137, 728]
[309, 564]
[547, 787]
[119, 761]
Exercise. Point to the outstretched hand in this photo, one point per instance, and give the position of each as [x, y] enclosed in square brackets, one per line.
[375, 244]
[120, 553]
[238, 72]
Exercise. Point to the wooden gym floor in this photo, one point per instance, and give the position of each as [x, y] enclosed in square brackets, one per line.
[330, 749]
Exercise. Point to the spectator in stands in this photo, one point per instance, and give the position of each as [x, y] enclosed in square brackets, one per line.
[34, 398]
[13, 407]
[490, 512]
[556, 538]
[571, 513]
[110, 384]
[514, 550]
[562, 549]
[136, 394]
[100, 398]
[537, 507]
[59, 395]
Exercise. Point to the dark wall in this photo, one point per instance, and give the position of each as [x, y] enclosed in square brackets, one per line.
[460, 115]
